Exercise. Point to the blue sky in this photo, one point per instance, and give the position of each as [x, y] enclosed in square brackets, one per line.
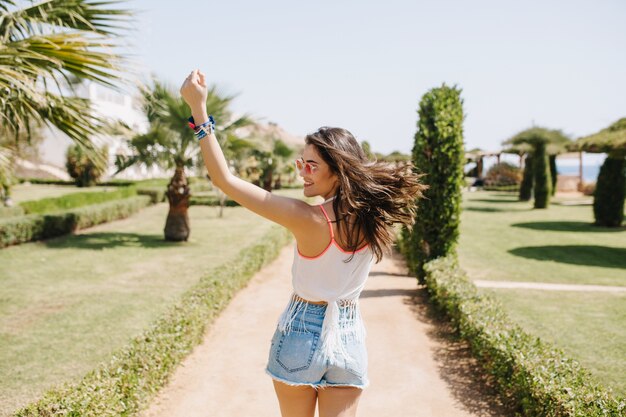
[364, 65]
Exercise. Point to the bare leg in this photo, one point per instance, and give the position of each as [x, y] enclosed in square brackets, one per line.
[295, 401]
[338, 401]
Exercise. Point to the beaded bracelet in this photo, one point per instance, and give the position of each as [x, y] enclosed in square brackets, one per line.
[203, 129]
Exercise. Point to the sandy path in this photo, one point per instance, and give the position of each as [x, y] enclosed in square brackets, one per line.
[414, 369]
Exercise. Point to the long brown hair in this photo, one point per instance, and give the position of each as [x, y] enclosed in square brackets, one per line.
[377, 194]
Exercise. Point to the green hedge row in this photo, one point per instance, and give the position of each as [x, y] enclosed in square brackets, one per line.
[209, 200]
[72, 183]
[512, 187]
[30, 227]
[70, 201]
[537, 378]
[136, 372]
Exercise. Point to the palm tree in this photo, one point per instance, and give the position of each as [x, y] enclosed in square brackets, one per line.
[170, 143]
[43, 48]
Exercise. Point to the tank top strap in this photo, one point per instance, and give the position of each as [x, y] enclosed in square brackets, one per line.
[330, 226]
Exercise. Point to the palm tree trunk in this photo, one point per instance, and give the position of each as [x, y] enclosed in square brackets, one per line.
[177, 224]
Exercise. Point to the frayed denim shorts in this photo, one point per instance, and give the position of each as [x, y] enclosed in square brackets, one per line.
[295, 357]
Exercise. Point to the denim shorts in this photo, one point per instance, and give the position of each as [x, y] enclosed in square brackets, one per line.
[295, 357]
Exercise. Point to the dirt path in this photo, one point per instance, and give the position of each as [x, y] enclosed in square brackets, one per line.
[547, 286]
[415, 368]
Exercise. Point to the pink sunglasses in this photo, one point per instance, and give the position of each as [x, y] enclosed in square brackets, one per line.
[308, 167]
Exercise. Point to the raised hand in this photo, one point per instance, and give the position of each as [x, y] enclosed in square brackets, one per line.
[194, 90]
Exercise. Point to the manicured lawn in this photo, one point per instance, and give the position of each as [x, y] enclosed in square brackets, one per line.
[22, 192]
[503, 239]
[588, 326]
[68, 302]
[506, 240]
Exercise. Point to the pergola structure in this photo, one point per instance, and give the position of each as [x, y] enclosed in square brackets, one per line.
[477, 155]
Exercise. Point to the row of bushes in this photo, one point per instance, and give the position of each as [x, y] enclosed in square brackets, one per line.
[75, 200]
[15, 230]
[136, 372]
[535, 377]
[111, 183]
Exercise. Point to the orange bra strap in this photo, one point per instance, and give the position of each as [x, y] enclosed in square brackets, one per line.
[330, 226]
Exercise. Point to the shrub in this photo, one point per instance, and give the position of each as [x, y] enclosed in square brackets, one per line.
[156, 194]
[542, 183]
[82, 168]
[438, 152]
[588, 188]
[503, 173]
[526, 187]
[608, 201]
[534, 376]
[30, 227]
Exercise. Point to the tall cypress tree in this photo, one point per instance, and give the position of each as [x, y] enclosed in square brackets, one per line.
[438, 152]
[553, 172]
[608, 201]
[542, 183]
[608, 198]
[526, 187]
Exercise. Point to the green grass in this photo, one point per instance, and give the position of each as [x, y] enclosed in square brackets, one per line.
[23, 192]
[587, 326]
[68, 302]
[506, 240]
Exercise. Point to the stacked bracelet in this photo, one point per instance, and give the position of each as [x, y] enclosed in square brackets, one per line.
[203, 129]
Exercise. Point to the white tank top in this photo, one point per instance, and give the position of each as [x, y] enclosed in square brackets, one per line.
[326, 277]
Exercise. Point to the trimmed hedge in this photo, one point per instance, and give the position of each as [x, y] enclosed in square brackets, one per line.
[136, 372]
[110, 183]
[210, 200]
[438, 152]
[30, 227]
[70, 201]
[513, 187]
[539, 379]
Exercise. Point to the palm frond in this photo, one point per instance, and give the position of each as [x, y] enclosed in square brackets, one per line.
[80, 15]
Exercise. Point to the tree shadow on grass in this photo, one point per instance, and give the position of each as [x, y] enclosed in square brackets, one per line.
[490, 209]
[564, 226]
[586, 255]
[102, 240]
[496, 200]
[468, 382]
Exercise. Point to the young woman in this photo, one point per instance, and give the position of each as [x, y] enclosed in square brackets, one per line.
[318, 352]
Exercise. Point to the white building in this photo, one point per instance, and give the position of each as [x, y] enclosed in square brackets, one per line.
[109, 104]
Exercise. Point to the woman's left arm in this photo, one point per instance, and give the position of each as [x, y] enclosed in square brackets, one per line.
[291, 213]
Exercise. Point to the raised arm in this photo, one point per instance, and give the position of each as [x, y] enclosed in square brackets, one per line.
[292, 213]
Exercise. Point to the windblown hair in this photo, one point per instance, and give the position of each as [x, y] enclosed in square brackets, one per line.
[376, 194]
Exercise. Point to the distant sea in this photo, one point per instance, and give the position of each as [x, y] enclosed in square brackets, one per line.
[590, 172]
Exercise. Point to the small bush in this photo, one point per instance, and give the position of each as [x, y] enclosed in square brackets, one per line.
[30, 227]
[82, 168]
[534, 376]
[503, 173]
[156, 194]
[589, 188]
